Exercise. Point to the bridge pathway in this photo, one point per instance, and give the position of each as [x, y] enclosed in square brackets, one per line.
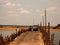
[29, 38]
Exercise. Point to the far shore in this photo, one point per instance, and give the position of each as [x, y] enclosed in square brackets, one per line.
[54, 29]
[22, 28]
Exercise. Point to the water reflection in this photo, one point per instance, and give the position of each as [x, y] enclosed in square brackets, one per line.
[56, 37]
[6, 32]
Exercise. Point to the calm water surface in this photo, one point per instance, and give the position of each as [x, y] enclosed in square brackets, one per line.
[56, 37]
[6, 32]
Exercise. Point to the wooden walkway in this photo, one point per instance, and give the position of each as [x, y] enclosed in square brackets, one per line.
[29, 38]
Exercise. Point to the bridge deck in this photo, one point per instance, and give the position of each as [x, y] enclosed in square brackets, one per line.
[29, 38]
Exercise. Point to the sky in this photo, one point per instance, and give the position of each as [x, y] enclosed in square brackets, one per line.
[28, 12]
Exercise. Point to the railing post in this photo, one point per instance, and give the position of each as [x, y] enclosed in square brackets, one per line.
[52, 39]
[48, 33]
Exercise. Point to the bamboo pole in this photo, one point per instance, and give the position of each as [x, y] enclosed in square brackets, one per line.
[49, 33]
[45, 19]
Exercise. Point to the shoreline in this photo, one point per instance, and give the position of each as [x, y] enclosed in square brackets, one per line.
[24, 28]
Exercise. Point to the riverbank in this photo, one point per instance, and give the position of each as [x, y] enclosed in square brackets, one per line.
[20, 28]
[13, 28]
[55, 29]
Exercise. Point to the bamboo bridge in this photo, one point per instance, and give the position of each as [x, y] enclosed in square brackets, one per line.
[34, 36]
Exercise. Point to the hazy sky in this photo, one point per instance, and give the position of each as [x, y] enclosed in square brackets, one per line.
[27, 12]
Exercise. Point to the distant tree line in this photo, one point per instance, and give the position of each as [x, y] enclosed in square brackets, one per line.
[57, 26]
[13, 26]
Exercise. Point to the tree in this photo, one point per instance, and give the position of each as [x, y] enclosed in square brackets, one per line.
[58, 25]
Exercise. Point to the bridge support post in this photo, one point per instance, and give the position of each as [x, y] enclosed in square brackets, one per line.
[48, 33]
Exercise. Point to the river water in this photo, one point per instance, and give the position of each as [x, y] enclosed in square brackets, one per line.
[56, 36]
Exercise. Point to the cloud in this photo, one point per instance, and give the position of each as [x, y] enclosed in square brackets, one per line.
[12, 14]
[37, 10]
[55, 0]
[52, 10]
[10, 11]
[11, 5]
[24, 11]
[4, 1]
